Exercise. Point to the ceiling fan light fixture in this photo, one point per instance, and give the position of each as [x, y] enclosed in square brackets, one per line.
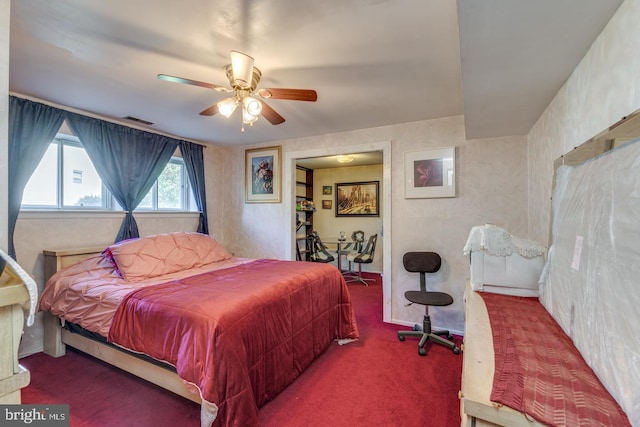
[243, 80]
[248, 118]
[242, 66]
[252, 105]
[227, 106]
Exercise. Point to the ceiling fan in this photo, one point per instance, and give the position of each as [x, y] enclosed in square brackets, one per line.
[244, 78]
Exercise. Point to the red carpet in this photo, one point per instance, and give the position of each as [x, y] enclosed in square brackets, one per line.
[377, 381]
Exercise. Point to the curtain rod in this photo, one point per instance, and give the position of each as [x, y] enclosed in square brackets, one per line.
[100, 117]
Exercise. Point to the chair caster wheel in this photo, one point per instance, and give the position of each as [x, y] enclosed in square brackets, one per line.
[450, 337]
[400, 337]
[455, 350]
[422, 351]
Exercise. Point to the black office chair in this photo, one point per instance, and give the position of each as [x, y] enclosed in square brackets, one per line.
[318, 252]
[426, 262]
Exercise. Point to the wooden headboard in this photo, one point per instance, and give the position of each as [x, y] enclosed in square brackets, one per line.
[54, 260]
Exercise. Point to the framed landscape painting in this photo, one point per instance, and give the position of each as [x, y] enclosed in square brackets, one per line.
[263, 175]
[430, 173]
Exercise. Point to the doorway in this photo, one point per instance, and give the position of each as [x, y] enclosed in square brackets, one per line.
[289, 193]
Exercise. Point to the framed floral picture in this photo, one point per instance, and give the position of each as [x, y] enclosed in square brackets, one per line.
[430, 173]
[263, 175]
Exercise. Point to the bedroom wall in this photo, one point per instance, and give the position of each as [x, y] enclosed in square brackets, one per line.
[603, 88]
[491, 187]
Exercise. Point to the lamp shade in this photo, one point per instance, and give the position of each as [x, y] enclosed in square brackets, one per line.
[242, 66]
[248, 118]
[252, 105]
[227, 106]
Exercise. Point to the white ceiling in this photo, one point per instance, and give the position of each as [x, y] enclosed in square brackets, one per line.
[372, 62]
[357, 159]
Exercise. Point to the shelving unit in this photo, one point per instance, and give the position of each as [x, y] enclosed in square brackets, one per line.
[304, 216]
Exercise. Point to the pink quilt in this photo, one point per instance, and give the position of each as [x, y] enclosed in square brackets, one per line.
[538, 370]
[240, 334]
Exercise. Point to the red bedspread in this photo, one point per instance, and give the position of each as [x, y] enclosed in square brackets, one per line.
[540, 372]
[240, 334]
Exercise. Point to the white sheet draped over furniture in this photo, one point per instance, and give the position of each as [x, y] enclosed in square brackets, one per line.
[591, 282]
[503, 263]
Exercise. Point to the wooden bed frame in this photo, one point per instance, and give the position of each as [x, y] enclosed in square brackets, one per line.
[56, 338]
[476, 409]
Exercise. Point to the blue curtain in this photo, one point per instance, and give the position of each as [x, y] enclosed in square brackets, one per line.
[194, 162]
[128, 161]
[32, 127]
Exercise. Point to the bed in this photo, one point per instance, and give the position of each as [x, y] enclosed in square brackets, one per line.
[227, 332]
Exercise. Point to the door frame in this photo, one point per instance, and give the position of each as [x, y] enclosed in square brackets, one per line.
[289, 189]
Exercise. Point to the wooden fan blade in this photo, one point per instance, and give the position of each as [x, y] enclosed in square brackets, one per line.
[192, 82]
[271, 114]
[210, 111]
[291, 94]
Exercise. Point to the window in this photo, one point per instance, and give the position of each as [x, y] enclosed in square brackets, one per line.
[171, 190]
[81, 185]
[66, 179]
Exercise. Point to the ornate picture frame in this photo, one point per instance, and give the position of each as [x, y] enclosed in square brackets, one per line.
[263, 175]
[430, 173]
